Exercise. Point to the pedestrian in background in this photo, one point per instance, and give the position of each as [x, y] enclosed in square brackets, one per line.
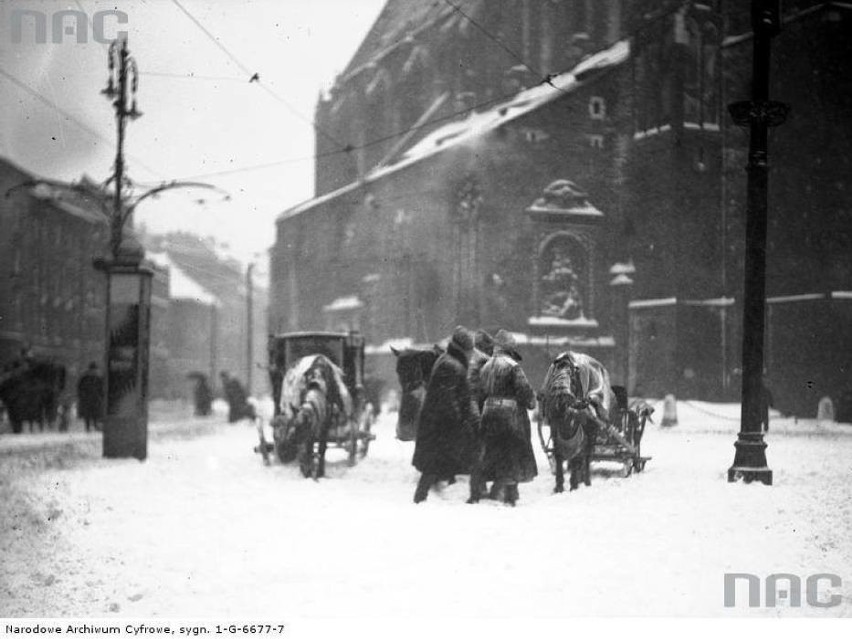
[202, 395]
[237, 398]
[90, 398]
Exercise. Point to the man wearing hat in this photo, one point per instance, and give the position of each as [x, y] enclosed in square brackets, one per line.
[449, 418]
[505, 427]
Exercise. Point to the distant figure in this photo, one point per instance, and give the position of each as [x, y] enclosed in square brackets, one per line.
[90, 398]
[237, 398]
[844, 408]
[202, 394]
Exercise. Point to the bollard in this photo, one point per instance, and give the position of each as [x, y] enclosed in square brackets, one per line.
[825, 410]
[669, 411]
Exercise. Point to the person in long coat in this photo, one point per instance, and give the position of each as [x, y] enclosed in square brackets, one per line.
[483, 348]
[90, 397]
[505, 423]
[445, 443]
[237, 398]
[203, 396]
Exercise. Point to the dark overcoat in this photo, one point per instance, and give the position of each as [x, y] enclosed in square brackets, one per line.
[90, 396]
[505, 427]
[445, 435]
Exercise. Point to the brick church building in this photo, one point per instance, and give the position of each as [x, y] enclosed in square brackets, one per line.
[567, 169]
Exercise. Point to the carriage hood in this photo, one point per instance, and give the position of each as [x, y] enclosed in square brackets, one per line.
[295, 384]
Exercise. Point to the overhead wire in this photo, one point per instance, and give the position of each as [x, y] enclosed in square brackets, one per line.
[85, 127]
[349, 147]
[255, 76]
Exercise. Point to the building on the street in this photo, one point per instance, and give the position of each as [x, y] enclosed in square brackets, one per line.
[51, 297]
[208, 311]
[568, 170]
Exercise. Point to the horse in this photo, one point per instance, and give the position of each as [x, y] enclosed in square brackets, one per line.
[413, 368]
[576, 398]
[314, 400]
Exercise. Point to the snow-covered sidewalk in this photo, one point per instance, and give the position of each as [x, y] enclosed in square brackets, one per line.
[203, 529]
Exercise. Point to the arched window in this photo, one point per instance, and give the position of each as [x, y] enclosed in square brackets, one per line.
[692, 74]
[377, 123]
[415, 91]
[701, 76]
[710, 74]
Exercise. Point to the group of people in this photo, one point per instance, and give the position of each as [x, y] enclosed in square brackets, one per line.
[33, 390]
[474, 418]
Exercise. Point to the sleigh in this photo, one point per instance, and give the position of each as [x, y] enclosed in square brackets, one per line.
[618, 441]
[351, 419]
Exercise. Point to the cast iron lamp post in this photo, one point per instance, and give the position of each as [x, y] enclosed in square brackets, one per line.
[128, 300]
[759, 113]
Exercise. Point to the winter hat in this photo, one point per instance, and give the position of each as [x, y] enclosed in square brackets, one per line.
[462, 338]
[506, 341]
[484, 342]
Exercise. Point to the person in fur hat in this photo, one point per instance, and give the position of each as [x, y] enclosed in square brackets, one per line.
[449, 418]
[505, 424]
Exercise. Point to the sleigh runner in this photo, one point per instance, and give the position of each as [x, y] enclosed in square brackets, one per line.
[583, 419]
[318, 390]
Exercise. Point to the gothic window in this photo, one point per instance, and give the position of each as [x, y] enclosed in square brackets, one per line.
[415, 92]
[700, 87]
[653, 80]
[562, 265]
[710, 74]
[377, 125]
[465, 213]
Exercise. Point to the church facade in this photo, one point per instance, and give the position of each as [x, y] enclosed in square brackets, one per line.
[567, 170]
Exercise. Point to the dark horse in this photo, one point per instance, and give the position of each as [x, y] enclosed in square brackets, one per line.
[324, 405]
[576, 398]
[413, 368]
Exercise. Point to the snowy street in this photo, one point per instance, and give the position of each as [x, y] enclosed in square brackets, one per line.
[203, 529]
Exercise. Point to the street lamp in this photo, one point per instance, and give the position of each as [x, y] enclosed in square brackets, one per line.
[128, 301]
[759, 114]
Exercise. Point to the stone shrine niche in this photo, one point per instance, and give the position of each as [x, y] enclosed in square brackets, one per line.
[565, 230]
[562, 269]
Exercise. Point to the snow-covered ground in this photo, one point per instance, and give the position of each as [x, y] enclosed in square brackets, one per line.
[203, 529]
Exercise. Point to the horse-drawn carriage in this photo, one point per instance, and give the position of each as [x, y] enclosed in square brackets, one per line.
[582, 418]
[318, 389]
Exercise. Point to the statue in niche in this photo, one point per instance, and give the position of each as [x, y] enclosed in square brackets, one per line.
[561, 295]
[468, 199]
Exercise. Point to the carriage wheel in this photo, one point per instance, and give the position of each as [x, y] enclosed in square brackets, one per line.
[365, 427]
[263, 447]
[352, 445]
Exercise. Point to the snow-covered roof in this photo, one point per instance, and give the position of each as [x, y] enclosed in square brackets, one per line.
[181, 285]
[547, 320]
[399, 343]
[348, 303]
[573, 342]
[477, 124]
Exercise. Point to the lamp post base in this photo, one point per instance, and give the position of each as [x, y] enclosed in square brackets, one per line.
[750, 460]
